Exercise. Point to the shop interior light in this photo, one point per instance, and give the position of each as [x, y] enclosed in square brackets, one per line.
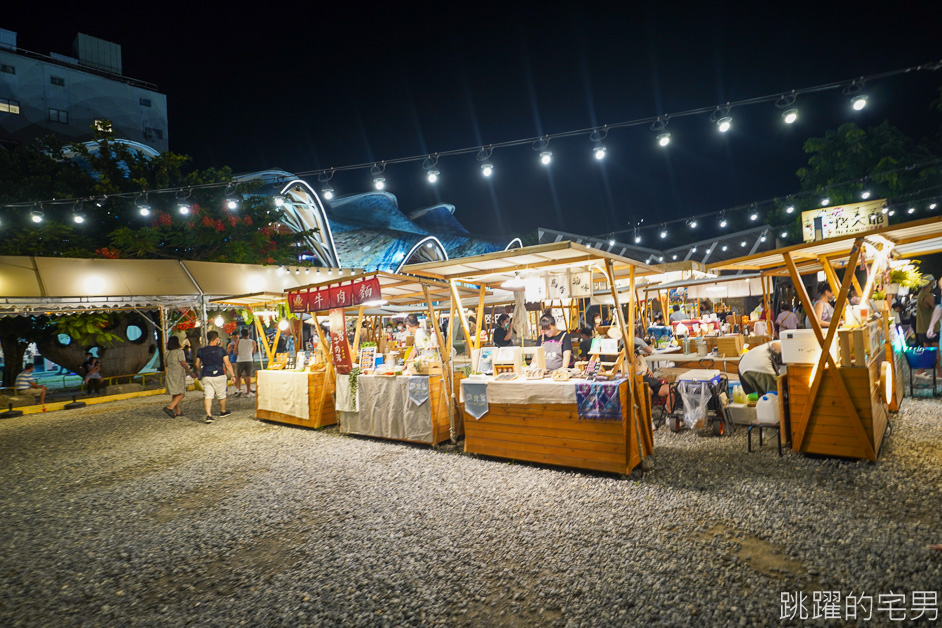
[546, 157]
[858, 102]
[283, 324]
[664, 139]
[790, 116]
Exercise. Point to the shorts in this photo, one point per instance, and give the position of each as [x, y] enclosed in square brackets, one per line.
[922, 340]
[214, 387]
[243, 369]
[653, 383]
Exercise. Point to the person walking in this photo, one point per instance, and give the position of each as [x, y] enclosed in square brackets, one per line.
[245, 348]
[213, 364]
[177, 370]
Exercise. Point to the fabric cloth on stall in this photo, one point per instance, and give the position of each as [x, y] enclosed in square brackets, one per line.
[283, 391]
[475, 398]
[384, 410]
[345, 401]
[518, 391]
[599, 400]
[418, 389]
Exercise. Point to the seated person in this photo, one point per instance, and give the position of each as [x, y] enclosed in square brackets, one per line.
[678, 315]
[26, 384]
[502, 333]
[656, 386]
[91, 368]
[758, 368]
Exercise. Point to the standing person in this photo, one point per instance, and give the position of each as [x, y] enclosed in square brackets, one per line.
[925, 306]
[92, 369]
[26, 382]
[177, 370]
[933, 335]
[213, 364]
[230, 349]
[557, 344]
[421, 336]
[502, 333]
[823, 309]
[786, 319]
[245, 350]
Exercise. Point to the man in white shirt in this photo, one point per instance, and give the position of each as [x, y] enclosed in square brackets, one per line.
[678, 315]
[759, 368]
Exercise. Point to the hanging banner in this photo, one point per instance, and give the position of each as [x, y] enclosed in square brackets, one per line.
[297, 301]
[580, 284]
[557, 286]
[418, 389]
[364, 291]
[341, 296]
[318, 300]
[475, 398]
[829, 222]
[339, 347]
[534, 289]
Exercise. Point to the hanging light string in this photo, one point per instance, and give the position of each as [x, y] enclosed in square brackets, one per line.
[658, 124]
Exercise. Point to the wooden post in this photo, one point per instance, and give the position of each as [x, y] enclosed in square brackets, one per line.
[356, 334]
[260, 329]
[445, 351]
[826, 361]
[480, 317]
[449, 343]
[464, 319]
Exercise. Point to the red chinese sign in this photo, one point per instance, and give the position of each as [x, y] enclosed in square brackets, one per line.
[366, 291]
[297, 301]
[340, 349]
[341, 296]
[318, 300]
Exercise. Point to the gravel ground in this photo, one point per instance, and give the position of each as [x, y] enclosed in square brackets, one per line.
[118, 515]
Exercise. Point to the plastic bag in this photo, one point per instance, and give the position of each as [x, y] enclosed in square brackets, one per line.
[696, 396]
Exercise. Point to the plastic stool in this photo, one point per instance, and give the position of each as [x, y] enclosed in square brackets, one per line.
[772, 426]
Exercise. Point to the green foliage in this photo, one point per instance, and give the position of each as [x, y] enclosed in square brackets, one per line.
[90, 328]
[907, 276]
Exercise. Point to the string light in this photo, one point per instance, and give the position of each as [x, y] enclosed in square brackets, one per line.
[911, 210]
[599, 149]
[790, 209]
[663, 231]
[723, 221]
[78, 216]
[785, 101]
[379, 181]
[36, 215]
[692, 223]
[790, 116]
[754, 214]
[825, 201]
[484, 156]
[784, 234]
[858, 102]
[324, 179]
[183, 208]
[932, 205]
[664, 139]
[546, 157]
[487, 169]
[865, 194]
[722, 118]
[327, 192]
[279, 201]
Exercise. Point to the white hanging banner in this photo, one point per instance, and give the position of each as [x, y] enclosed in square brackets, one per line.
[535, 289]
[580, 284]
[557, 286]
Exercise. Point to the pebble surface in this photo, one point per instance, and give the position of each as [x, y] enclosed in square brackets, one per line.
[117, 515]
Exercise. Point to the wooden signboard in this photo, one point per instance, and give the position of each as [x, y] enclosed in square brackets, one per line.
[367, 358]
[340, 348]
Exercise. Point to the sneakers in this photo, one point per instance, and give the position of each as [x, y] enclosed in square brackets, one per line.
[237, 394]
[251, 394]
[226, 413]
[209, 419]
[170, 413]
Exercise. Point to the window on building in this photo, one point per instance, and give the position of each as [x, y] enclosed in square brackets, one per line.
[145, 102]
[9, 106]
[151, 133]
[57, 115]
[9, 69]
[57, 80]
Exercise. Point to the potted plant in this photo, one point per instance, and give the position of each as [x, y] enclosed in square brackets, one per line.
[878, 300]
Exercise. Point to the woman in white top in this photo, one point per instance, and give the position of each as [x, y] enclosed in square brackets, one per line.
[422, 341]
[822, 307]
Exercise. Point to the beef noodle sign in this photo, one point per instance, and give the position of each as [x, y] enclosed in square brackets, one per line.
[840, 220]
[335, 296]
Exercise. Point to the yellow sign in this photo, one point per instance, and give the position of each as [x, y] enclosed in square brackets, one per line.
[839, 220]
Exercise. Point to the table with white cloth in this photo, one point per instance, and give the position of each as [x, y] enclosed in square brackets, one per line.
[294, 397]
[538, 420]
[381, 407]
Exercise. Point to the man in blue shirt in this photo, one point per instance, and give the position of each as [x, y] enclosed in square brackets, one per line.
[26, 382]
[213, 364]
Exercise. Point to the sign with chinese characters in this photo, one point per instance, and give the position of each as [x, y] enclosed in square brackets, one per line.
[297, 301]
[580, 284]
[318, 300]
[365, 291]
[341, 296]
[367, 358]
[829, 222]
[339, 347]
[557, 286]
[418, 389]
[534, 289]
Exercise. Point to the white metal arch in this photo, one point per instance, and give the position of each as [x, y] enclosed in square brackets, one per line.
[420, 248]
[303, 211]
[517, 241]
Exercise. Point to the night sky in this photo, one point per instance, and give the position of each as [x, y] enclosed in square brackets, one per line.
[341, 83]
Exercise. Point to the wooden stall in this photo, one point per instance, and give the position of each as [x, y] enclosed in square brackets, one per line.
[838, 405]
[375, 400]
[301, 398]
[538, 420]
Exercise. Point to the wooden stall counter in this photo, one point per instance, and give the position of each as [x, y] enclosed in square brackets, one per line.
[294, 397]
[543, 425]
[832, 427]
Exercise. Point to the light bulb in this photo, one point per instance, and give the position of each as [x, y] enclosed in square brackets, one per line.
[660, 259]
[637, 239]
[753, 216]
[279, 201]
[282, 324]
[865, 194]
[611, 243]
[891, 212]
[825, 201]
[432, 176]
[232, 203]
[790, 116]
[546, 157]
[36, 216]
[725, 247]
[784, 234]
[144, 209]
[743, 243]
[328, 193]
[693, 250]
[693, 223]
[911, 210]
[723, 223]
[428, 245]
[600, 151]
[487, 169]
[673, 257]
[790, 209]
[762, 238]
[184, 208]
[723, 124]
[885, 209]
[218, 320]
[932, 205]
[858, 102]
[379, 182]
[78, 218]
[664, 139]
[664, 234]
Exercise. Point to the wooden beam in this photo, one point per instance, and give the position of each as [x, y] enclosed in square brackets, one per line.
[261, 336]
[445, 351]
[464, 319]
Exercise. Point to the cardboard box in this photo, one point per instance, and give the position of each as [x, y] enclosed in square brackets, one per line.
[754, 341]
[730, 346]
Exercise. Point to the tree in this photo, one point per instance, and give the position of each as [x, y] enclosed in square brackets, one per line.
[16, 332]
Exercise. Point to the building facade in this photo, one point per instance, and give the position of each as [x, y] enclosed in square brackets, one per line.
[68, 96]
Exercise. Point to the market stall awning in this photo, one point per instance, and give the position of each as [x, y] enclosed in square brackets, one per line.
[493, 269]
[910, 239]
